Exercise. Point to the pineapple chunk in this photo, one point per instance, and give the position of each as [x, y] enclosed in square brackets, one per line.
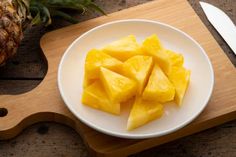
[143, 112]
[138, 68]
[124, 48]
[176, 59]
[153, 47]
[118, 87]
[96, 59]
[87, 81]
[96, 97]
[159, 88]
[180, 77]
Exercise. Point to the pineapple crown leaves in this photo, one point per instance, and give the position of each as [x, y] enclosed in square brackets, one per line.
[16, 10]
[43, 10]
[22, 9]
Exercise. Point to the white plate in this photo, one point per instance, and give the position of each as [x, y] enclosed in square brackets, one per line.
[70, 78]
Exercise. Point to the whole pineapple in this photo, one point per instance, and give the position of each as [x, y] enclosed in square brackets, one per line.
[16, 15]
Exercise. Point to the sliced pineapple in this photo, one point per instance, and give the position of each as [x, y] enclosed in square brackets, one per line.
[124, 73]
[96, 59]
[143, 112]
[118, 87]
[96, 97]
[159, 88]
[176, 59]
[180, 77]
[153, 47]
[124, 48]
[138, 68]
[87, 81]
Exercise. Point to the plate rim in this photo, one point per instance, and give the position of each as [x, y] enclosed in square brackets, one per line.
[135, 136]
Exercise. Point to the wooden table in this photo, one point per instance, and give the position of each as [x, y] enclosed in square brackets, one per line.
[27, 69]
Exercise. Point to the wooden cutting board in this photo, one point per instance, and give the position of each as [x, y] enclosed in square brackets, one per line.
[45, 104]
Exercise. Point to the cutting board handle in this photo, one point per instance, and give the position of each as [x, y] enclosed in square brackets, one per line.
[20, 111]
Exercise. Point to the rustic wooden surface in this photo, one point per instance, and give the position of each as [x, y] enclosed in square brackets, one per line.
[26, 70]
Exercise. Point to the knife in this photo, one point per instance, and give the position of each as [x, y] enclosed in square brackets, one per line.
[222, 24]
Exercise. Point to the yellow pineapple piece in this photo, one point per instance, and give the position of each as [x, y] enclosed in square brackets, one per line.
[153, 47]
[138, 68]
[118, 87]
[96, 59]
[176, 59]
[143, 112]
[96, 97]
[158, 88]
[124, 48]
[180, 77]
[87, 81]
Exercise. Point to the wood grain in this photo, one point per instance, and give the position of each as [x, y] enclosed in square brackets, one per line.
[217, 59]
[26, 85]
[29, 62]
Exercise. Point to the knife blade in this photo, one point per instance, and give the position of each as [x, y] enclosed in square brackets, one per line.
[222, 23]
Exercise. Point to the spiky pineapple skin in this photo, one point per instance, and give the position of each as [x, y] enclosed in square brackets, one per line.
[11, 21]
[15, 16]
